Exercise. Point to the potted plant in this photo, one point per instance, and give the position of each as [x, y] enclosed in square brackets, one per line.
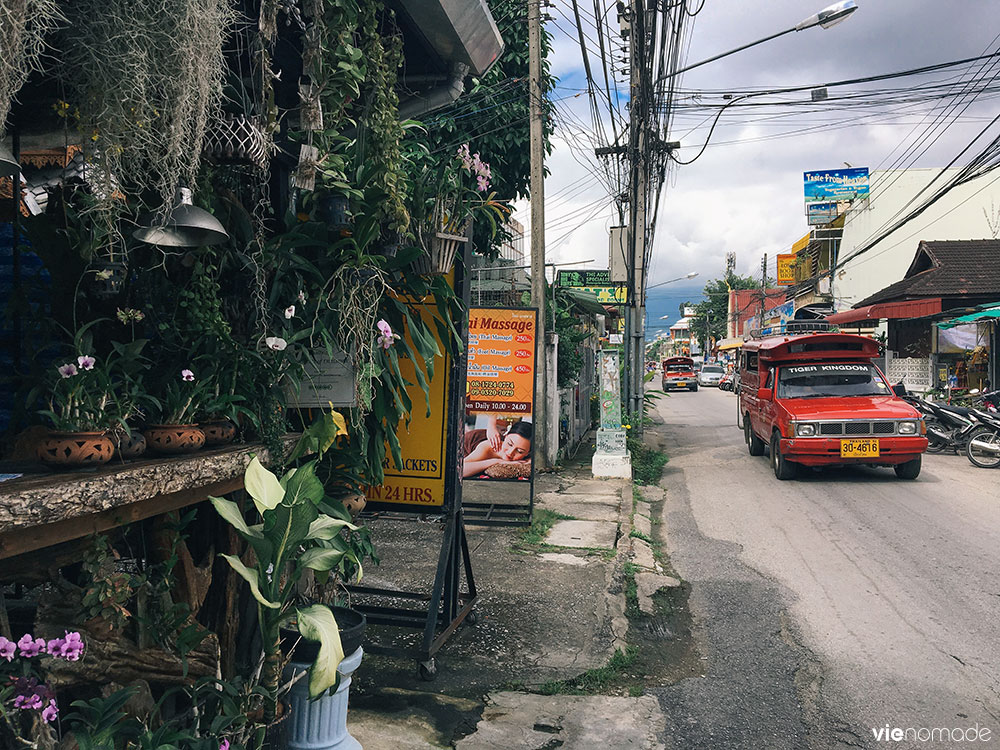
[292, 533]
[172, 429]
[79, 392]
[446, 199]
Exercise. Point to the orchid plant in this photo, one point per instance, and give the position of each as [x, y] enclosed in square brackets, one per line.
[27, 702]
[446, 197]
[180, 397]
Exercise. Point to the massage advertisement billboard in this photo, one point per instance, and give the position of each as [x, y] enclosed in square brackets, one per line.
[499, 394]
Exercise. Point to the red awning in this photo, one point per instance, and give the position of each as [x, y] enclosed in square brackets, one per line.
[914, 308]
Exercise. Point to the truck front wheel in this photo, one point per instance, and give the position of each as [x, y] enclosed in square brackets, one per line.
[908, 470]
[783, 468]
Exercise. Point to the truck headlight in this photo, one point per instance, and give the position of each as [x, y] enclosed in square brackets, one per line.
[805, 430]
[907, 428]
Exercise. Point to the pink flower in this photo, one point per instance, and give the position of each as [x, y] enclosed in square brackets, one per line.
[32, 700]
[187, 376]
[7, 649]
[86, 362]
[69, 648]
[50, 712]
[31, 646]
[289, 312]
[68, 370]
[302, 297]
[387, 337]
[482, 184]
[224, 745]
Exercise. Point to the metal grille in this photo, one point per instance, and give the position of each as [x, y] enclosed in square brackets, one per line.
[831, 429]
[857, 428]
[884, 428]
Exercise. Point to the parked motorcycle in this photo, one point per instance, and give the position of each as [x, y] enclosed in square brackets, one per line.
[948, 427]
[983, 448]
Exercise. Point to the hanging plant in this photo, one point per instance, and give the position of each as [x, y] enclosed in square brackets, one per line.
[145, 79]
[24, 26]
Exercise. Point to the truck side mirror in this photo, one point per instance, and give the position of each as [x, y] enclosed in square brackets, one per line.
[764, 394]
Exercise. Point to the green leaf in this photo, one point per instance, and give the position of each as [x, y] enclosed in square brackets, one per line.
[321, 558]
[302, 484]
[263, 486]
[251, 577]
[328, 527]
[317, 623]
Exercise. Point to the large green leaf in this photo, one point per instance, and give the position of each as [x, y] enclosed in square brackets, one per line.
[318, 624]
[321, 558]
[263, 486]
[251, 577]
[286, 526]
[327, 527]
[302, 484]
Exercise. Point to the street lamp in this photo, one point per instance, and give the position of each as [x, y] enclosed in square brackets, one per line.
[829, 16]
[671, 281]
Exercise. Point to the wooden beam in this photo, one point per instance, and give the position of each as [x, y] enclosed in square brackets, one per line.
[23, 540]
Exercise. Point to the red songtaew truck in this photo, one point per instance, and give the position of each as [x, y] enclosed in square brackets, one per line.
[678, 372]
[818, 399]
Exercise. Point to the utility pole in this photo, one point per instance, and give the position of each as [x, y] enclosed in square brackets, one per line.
[638, 144]
[763, 289]
[537, 188]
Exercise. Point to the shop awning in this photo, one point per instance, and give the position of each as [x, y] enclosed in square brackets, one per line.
[727, 344]
[915, 308]
[987, 313]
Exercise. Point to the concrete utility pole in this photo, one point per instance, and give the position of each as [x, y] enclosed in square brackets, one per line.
[537, 188]
[763, 289]
[634, 354]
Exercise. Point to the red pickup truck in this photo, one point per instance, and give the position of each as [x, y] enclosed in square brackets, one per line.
[818, 400]
[678, 372]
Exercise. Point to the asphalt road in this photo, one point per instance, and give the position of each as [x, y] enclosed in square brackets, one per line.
[832, 604]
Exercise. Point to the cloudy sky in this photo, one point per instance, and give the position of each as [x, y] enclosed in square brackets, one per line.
[744, 194]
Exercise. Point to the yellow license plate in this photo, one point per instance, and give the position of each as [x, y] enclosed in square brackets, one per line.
[859, 448]
[680, 383]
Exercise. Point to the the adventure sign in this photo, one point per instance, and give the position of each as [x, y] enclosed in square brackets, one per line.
[834, 185]
[499, 396]
[596, 281]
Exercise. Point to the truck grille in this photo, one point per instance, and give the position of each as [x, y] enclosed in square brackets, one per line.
[858, 427]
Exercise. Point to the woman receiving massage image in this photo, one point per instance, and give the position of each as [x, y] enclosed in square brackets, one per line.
[484, 449]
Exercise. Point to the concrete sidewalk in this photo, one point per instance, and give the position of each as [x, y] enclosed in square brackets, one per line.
[547, 612]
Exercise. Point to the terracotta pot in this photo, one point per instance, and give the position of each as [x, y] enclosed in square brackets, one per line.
[355, 504]
[75, 449]
[128, 446]
[219, 432]
[173, 439]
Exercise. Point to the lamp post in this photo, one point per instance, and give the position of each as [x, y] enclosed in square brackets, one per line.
[671, 281]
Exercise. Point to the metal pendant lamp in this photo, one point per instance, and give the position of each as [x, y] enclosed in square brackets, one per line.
[8, 164]
[185, 226]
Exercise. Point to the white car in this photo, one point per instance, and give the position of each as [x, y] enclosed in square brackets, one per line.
[710, 375]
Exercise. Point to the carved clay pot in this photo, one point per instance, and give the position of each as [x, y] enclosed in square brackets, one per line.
[219, 432]
[354, 505]
[174, 439]
[75, 449]
[128, 446]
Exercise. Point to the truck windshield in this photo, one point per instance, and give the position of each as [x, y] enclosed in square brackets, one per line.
[829, 380]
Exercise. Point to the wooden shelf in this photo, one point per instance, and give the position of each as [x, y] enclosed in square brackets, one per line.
[38, 511]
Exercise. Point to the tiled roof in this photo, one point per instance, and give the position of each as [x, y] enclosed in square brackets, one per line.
[946, 268]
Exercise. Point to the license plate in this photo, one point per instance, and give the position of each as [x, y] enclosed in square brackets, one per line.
[859, 448]
[679, 382]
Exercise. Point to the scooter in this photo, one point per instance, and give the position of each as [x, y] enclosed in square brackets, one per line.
[948, 427]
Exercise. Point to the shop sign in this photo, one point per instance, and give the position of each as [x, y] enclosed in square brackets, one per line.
[499, 394]
[420, 482]
[834, 185]
[820, 213]
[328, 380]
[596, 281]
[786, 269]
